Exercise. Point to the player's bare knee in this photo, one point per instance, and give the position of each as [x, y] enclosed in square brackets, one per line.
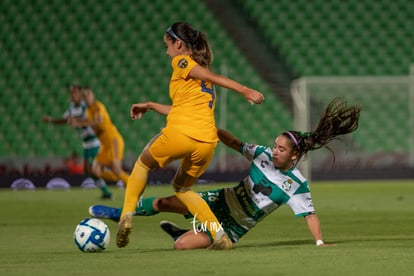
[179, 245]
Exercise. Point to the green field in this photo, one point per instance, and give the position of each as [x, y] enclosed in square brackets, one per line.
[372, 224]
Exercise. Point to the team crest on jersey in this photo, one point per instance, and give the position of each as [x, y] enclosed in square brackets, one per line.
[183, 63]
[287, 184]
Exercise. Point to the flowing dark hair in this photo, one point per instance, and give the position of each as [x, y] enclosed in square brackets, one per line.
[337, 119]
[194, 40]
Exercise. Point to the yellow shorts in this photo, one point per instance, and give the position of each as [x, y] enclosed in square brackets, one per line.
[112, 148]
[172, 145]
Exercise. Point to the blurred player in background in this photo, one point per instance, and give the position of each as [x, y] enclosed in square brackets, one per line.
[273, 181]
[90, 143]
[108, 162]
[190, 134]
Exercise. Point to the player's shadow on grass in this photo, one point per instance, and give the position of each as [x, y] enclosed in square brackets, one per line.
[311, 242]
[282, 243]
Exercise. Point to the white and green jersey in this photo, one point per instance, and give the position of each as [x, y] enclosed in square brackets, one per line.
[89, 139]
[265, 189]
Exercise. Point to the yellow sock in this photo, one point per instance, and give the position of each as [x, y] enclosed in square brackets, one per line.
[200, 210]
[124, 177]
[109, 175]
[135, 187]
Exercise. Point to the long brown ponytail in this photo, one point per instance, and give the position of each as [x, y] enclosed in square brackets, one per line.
[337, 119]
[194, 40]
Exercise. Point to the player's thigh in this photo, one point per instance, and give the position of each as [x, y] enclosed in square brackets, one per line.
[146, 156]
[110, 150]
[170, 145]
[104, 156]
[193, 165]
[196, 163]
[117, 148]
[89, 155]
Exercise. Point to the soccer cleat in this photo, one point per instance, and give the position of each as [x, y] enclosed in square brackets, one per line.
[106, 196]
[105, 212]
[124, 229]
[171, 229]
[223, 243]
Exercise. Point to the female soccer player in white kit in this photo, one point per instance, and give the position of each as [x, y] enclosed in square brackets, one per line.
[273, 181]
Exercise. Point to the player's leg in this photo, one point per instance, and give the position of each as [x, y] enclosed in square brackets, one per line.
[161, 150]
[119, 171]
[152, 205]
[192, 240]
[117, 155]
[87, 163]
[89, 155]
[191, 168]
[169, 204]
[202, 212]
[135, 188]
[186, 238]
[146, 207]
[97, 168]
[172, 229]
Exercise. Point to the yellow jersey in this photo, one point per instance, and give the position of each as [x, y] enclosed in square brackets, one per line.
[193, 102]
[106, 130]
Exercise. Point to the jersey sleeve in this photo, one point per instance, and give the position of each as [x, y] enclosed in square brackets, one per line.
[251, 151]
[301, 204]
[248, 150]
[182, 66]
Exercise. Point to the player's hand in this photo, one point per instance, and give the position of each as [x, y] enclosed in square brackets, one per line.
[46, 119]
[137, 110]
[72, 121]
[254, 97]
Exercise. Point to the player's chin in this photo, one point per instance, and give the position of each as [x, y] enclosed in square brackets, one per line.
[276, 161]
[280, 164]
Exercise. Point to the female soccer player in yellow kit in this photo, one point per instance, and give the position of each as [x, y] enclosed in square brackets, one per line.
[190, 133]
[111, 153]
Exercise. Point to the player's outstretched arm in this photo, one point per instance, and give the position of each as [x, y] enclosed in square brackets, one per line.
[229, 139]
[251, 95]
[138, 110]
[56, 121]
[81, 122]
[315, 228]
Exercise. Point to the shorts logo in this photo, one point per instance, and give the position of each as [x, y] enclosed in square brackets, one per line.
[287, 184]
[183, 63]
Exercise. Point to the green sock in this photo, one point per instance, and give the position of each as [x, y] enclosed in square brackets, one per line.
[144, 207]
[105, 190]
[99, 182]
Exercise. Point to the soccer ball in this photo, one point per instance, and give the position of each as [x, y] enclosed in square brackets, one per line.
[92, 235]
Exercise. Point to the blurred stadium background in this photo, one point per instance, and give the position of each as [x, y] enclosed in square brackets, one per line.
[311, 50]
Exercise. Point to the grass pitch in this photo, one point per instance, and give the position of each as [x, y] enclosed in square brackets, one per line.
[372, 224]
